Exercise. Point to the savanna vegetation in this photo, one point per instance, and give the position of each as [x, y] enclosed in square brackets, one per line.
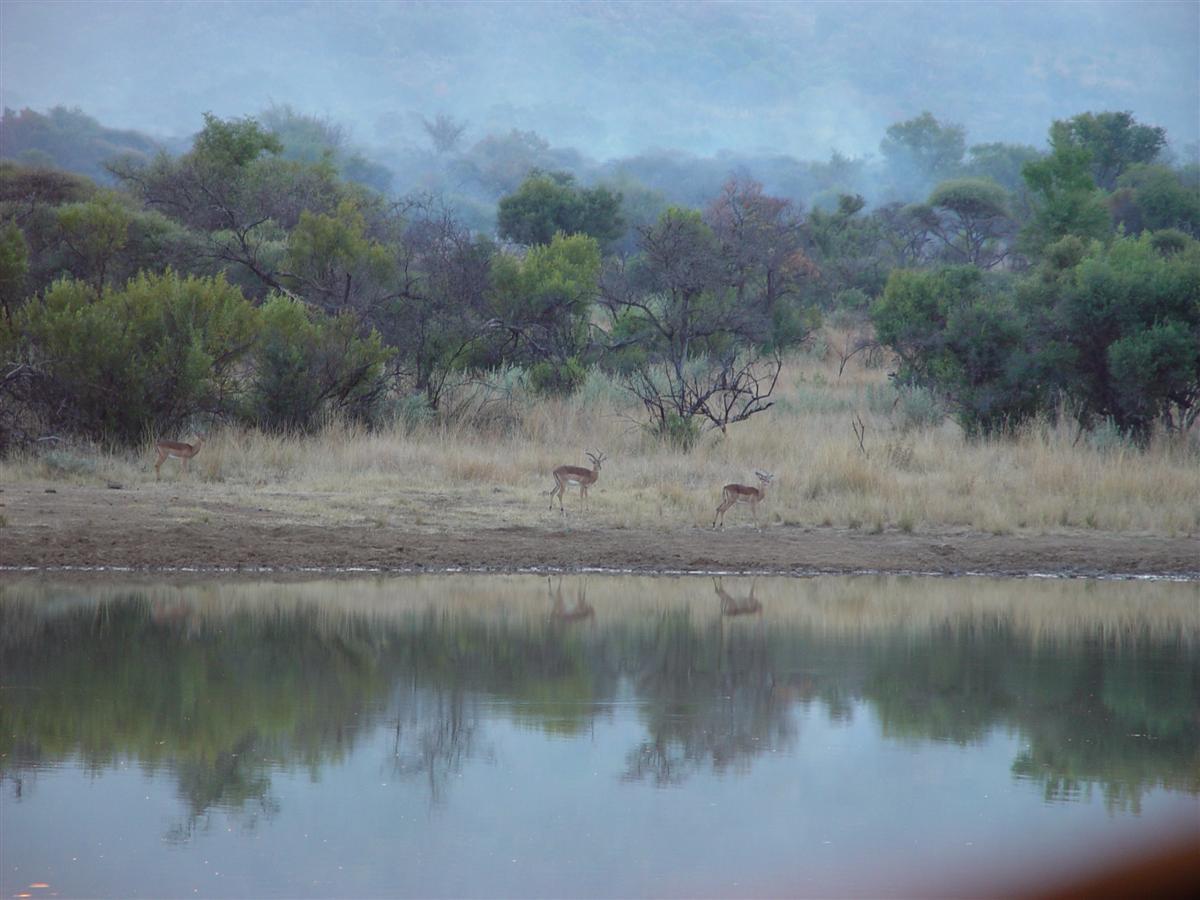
[1013, 343]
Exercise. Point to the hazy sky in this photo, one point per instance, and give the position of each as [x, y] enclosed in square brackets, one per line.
[613, 78]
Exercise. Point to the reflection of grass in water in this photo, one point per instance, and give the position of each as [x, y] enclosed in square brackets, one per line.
[1039, 609]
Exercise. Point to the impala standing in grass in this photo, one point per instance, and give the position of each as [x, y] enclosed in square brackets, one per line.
[182, 452]
[567, 475]
[743, 493]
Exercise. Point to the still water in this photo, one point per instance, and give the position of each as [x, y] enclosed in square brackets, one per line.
[602, 736]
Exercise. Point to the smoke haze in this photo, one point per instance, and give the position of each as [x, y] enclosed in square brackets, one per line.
[613, 79]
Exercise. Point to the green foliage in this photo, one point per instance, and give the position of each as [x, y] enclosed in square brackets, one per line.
[1116, 330]
[1066, 199]
[95, 231]
[1002, 163]
[137, 360]
[544, 304]
[14, 264]
[549, 379]
[970, 196]
[677, 431]
[334, 264]
[24, 188]
[955, 335]
[1113, 141]
[548, 203]
[851, 251]
[1153, 198]
[309, 139]
[924, 147]
[975, 220]
[309, 365]
[229, 144]
[1150, 368]
[238, 196]
[912, 312]
[1125, 323]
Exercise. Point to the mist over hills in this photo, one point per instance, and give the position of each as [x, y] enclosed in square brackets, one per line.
[613, 79]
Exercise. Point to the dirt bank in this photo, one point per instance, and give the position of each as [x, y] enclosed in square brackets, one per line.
[52, 525]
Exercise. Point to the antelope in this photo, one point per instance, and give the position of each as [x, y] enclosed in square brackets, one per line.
[566, 475]
[736, 606]
[743, 493]
[182, 452]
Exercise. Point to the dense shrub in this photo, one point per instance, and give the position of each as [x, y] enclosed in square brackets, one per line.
[309, 365]
[140, 359]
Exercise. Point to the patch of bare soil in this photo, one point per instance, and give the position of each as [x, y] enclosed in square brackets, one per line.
[55, 525]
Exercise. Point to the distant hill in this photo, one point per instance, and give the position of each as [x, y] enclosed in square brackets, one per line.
[69, 139]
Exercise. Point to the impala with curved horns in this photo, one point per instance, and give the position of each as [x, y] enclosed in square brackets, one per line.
[743, 493]
[180, 451]
[568, 475]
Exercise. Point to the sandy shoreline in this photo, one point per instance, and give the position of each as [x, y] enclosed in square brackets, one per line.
[167, 528]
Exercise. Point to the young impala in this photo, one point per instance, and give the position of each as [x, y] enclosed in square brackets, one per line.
[743, 493]
[182, 452]
[566, 475]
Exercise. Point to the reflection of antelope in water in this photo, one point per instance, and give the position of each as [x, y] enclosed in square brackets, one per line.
[736, 606]
[559, 611]
[174, 615]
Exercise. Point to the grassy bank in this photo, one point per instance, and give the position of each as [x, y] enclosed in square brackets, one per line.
[491, 465]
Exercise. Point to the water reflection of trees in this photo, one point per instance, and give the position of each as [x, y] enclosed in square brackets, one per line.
[707, 685]
[223, 695]
[1093, 716]
[436, 732]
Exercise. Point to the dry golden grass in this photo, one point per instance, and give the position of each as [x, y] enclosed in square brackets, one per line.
[495, 468]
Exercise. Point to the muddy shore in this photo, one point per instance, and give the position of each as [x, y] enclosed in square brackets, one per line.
[153, 528]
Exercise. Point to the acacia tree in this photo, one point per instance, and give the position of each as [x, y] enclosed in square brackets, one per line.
[444, 132]
[924, 148]
[852, 251]
[1114, 141]
[542, 306]
[547, 203]
[689, 351]
[439, 311]
[231, 188]
[973, 225]
[1065, 198]
[761, 244]
[335, 262]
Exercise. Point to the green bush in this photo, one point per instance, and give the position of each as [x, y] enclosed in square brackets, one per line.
[551, 379]
[140, 359]
[919, 408]
[309, 366]
[677, 431]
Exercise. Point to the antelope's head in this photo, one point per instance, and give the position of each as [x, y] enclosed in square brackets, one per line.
[596, 458]
[764, 477]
